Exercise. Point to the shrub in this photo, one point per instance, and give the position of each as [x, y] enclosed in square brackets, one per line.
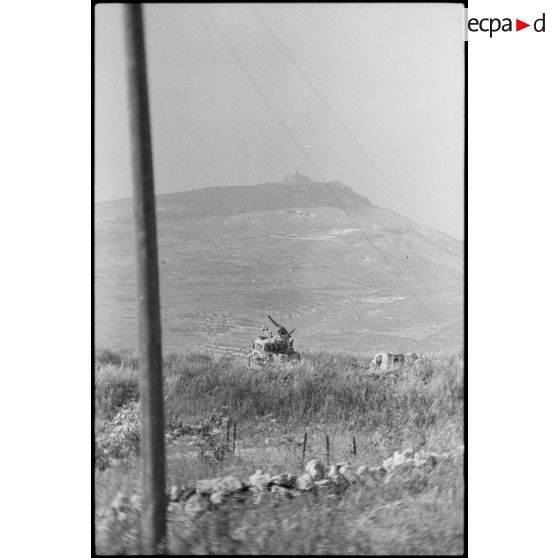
[115, 385]
[119, 438]
[105, 356]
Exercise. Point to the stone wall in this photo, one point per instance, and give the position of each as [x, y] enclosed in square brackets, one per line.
[317, 478]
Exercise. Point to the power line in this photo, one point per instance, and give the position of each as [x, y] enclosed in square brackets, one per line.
[342, 124]
[239, 61]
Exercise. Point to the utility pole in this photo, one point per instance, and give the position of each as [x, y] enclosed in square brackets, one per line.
[153, 520]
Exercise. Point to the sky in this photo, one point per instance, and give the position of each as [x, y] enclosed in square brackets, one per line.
[392, 75]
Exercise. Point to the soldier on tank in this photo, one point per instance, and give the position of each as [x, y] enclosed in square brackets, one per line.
[281, 331]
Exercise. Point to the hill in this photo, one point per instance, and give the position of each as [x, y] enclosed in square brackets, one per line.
[349, 275]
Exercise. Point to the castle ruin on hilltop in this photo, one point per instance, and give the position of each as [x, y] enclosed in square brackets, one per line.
[297, 178]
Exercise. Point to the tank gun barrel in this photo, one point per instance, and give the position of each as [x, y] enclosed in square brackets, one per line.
[280, 329]
[274, 322]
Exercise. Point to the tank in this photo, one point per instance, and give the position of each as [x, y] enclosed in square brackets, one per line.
[270, 348]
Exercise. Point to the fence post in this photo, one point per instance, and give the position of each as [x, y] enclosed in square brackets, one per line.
[327, 450]
[354, 446]
[304, 448]
[153, 517]
[234, 437]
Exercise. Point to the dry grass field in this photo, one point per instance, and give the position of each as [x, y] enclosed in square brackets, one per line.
[325, 394]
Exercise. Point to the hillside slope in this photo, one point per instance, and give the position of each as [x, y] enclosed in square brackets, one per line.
[350, 276]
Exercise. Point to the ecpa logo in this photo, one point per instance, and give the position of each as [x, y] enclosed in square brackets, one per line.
[493, 25]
